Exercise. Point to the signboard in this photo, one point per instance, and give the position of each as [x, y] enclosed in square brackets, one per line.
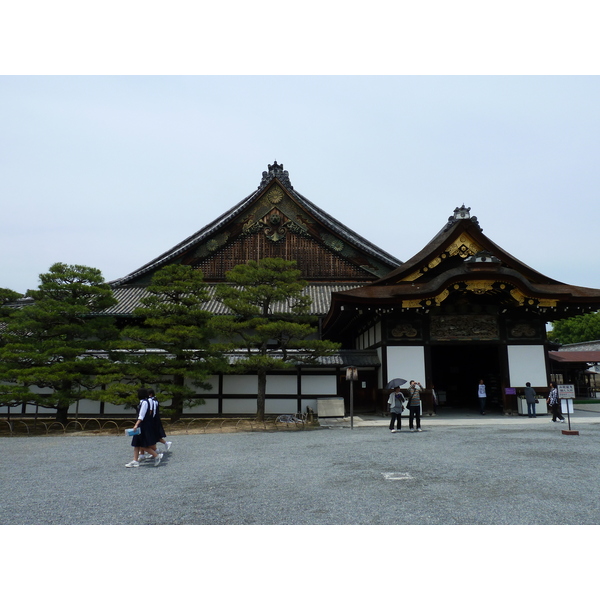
[566, 391]
[330, 407]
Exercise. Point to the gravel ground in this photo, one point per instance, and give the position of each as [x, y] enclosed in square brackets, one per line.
[472, 475]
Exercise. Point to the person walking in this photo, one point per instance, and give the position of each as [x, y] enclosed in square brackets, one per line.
[414, 404]
[396, 402]
[158, 426]
[145, 440]
[554, 404]
[531, 401]
[482, 395]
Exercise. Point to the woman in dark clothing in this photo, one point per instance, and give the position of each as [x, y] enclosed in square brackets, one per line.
[146, 439]
[554, 404]
[158, 426]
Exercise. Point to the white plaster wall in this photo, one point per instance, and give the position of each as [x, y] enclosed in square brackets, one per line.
[211, 406]
[407, 362]
[304, 404]
[527, 363]
[213, 381]
[282, 384]
[240, 384]
[281, 407]
[319, 384]
[30, 410]
[239, 405]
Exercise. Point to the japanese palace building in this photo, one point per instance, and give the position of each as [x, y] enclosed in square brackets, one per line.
[462, 309]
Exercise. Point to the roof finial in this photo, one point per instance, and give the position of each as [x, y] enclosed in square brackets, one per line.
[276, 170]
[460, 214]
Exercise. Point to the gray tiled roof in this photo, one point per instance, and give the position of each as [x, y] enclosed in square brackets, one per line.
[129, 297]
[340, 358]
[592, 345]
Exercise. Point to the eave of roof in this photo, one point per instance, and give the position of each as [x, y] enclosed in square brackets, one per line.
[576, 356]
[429, 289]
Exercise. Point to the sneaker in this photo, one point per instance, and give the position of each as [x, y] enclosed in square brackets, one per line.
[411, 429]
[562, 420]
[168, 445]
[419, 429]
[158, 459]
[133, 463]
[142, 457]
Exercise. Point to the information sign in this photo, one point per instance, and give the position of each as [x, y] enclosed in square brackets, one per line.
[566, 391]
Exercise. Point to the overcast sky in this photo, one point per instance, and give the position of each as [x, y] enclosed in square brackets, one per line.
[111, 171]
[119, 138]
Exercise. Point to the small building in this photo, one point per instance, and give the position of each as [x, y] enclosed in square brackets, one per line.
[578, 364]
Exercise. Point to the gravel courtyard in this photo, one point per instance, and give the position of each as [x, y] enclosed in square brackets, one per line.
[446, 475]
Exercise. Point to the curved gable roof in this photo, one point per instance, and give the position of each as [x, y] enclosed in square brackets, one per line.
[462, 231]
[276, 173]
[460, 256]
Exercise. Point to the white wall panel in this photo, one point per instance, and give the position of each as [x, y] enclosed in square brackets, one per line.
[109, 409]
[281, 407]
[211, 406]
[304, 404]
[407, 362]
[282, 384]
[214, 381]
[527, 363]
[239, 405]
[240, 384]
[319, 384]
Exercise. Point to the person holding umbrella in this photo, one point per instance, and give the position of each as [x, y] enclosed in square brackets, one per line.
[396, 402]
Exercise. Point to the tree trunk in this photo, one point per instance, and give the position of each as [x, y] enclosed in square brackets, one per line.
[176, 408]
[177, 402]
[262, 392]
[62, 414]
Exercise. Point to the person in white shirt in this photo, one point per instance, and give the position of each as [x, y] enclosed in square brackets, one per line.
[482, 395]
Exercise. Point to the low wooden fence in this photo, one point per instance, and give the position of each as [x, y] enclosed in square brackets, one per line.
[32, 427]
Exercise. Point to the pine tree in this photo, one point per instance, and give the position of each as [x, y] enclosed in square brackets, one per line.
[169, 349]
[50, 344]
[269, 320]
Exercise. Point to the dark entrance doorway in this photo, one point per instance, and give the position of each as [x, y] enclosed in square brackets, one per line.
[365, 391]
[457, 369]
